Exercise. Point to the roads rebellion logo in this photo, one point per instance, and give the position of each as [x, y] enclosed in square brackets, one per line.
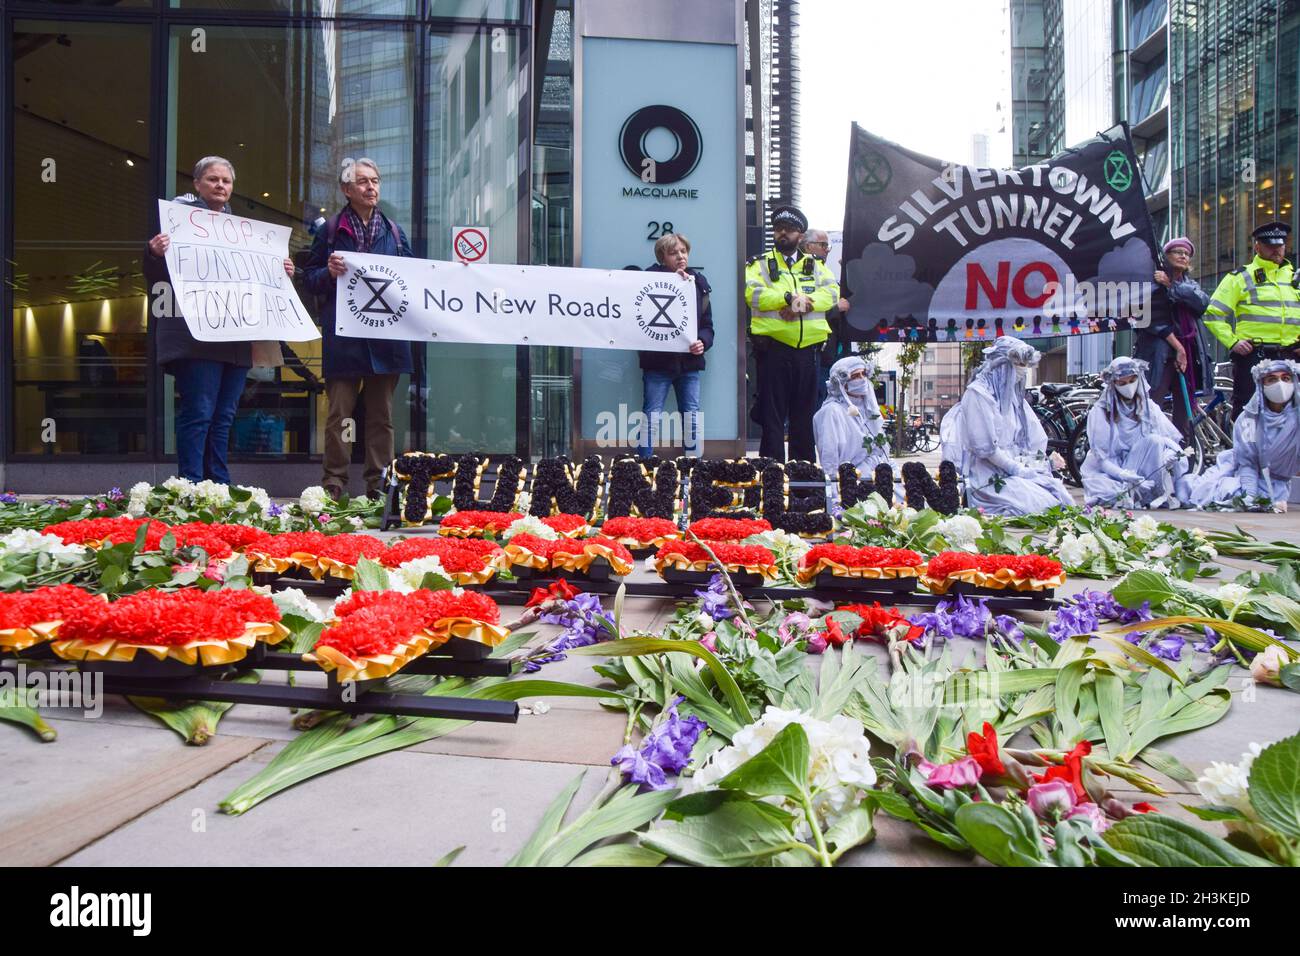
[661, 310]
[377, 296]
[653, 173]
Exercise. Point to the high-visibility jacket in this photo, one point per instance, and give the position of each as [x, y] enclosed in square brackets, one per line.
[767, 280]
[1259, 302]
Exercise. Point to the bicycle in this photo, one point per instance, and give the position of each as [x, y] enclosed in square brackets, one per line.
[1063, 411]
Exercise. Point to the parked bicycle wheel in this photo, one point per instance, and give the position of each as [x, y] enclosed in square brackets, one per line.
[1077, 453]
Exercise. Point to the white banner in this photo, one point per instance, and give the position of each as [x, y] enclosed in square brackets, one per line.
[228, 276]
[386, 297]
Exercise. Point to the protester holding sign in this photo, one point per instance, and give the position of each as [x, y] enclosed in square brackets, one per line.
[209, 375]
[356, 366]
[681, 372]
[1255, 474]
[997, 442]
[1171, 345]
[1135, 455]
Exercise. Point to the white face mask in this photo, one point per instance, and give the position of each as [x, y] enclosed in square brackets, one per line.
[1022, 374]
[1128, 390]
[1279, 393]
[857, 387]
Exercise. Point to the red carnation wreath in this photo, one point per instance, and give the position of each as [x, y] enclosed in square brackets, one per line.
[1015, 572]
[845, 561]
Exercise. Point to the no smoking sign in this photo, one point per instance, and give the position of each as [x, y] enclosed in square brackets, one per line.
[470, 243]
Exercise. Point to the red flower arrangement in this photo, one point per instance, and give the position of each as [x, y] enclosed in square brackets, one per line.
[467, 560]
[238, 536]
[214, 627]
[1070, 770]
[844, 560]
[530, 551]
[474, 524]
[883, 623]
[94, 530]
[640, 532]
[728, 529]
[379, 632]
[31, 617]
[560, 590]
[691, 556]
[1019, 572]
[569, 526]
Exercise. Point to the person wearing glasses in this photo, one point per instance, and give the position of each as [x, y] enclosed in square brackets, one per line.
[354, 367]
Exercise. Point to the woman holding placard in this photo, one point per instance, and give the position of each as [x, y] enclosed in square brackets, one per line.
[209, 375]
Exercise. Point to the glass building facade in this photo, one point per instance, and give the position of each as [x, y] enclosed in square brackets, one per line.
[1234, 91]
[109, 105]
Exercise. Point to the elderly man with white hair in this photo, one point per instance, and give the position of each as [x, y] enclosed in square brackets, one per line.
[997, 442]
[849, 427]
[1255, 474]
[1135, 454]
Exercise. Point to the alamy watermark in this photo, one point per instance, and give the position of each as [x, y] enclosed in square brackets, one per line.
[631, 428]
[1099, 300]
[58, 689]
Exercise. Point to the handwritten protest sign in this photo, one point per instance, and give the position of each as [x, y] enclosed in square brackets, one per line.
[228, 276]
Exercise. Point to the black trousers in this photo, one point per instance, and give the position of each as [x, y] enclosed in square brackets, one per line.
[787, 393]
[1243, 383]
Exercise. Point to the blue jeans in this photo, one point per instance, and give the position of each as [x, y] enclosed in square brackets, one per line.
[687, 387]
[209, 395]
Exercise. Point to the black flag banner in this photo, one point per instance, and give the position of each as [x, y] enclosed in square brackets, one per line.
[949, 253]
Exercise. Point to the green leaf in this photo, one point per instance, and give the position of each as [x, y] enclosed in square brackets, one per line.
[1223, 814]
[779, 769]
[29, 717]
[640, 646]
[1275, 786]
[735, 834]
[1152, 839]
[1168, 764]
[1290, 676]
[531, 851]
[195, 721]
[851, 829]
[622, 813]
[450, 858]
[1141, 585]
[370, 576]
[894, 804]
[1110, 710]
[998, 835]
[620, 854]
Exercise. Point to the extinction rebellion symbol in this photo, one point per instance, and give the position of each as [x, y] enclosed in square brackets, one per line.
[1119, 174]
[661, 310]
[871, 172]
[377, 296]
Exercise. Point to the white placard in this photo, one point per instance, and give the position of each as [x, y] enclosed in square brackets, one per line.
[470, 244]
[422, 300]
[228, 278]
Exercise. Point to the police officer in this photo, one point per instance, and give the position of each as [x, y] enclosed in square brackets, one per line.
[788, 293]
[1255, 311]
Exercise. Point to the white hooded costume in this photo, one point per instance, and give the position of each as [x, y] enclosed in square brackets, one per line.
[1134, 451]
[997, 442]
[1265, 451]
[849, 427]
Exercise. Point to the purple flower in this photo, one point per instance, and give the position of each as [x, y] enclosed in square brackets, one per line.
[965, 618]
[580, 617]
[275, 510]
[713, 601]
[1092, 813]
[1169, 647]
[816, 642]
[667, 750]
[1051, 800]
[9, 498]
[115, 494]
[1211, 641]
[1009, 627]
[793, 627]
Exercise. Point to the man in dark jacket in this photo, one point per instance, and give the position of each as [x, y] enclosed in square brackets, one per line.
[209, 375]
[679, 371]
[356, 366]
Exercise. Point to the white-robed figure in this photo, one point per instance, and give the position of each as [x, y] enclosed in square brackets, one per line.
[997, 442]
[849, 427]
[1135, 456]
[1256, 472]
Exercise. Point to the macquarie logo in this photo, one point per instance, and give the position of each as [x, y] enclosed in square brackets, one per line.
[77, 909]
[655, 174]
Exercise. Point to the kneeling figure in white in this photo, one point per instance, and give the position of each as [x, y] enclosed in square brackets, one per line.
[849, 427]
[997, 442]
[1256, 472]
[1135, 456]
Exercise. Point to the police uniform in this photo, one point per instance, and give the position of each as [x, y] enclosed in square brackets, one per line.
[786, 349]
[1257, 303]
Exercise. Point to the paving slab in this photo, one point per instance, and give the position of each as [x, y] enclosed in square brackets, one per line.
[399, 809]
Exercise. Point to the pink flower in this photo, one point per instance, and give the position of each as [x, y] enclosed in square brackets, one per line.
[184, 567]
[324, 518]
[1092, 813]
[1266, 668]
[710, 640]
[817, 642]
[216, 571]
[951, 776]
[1051, 800]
